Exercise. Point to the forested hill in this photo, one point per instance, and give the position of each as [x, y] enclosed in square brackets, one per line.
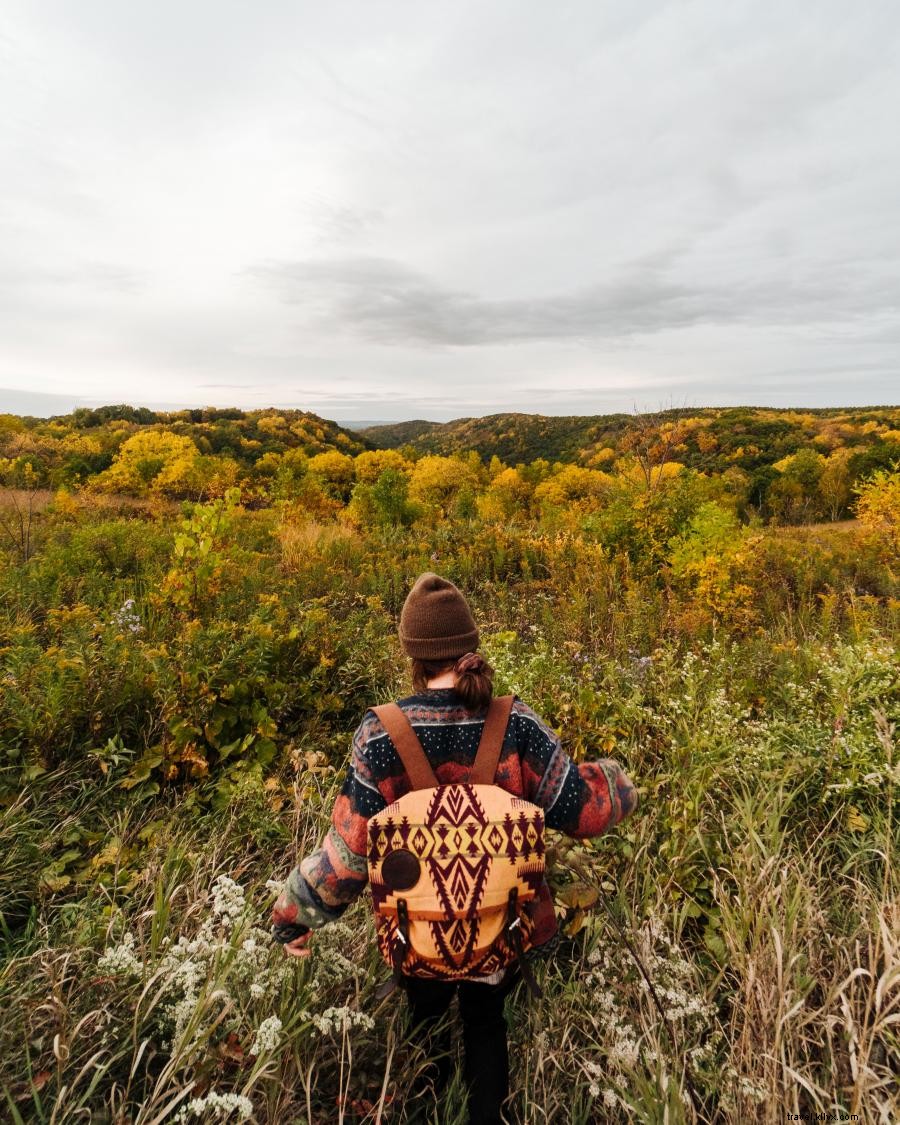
[711, 439]
[790, 465]
[128, 449]
[511, 437]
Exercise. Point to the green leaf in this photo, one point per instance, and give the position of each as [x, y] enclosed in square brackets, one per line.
[716, 946]
[239, 745]
[265, 751]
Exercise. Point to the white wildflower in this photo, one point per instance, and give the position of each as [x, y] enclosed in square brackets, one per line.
[339, 1020]
[228, 899]
[268, 1036]
[121, 959]
[218, 1107]
[127, 619]
[624, 1053]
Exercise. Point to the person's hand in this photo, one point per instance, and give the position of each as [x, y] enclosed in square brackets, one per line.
[297, 947]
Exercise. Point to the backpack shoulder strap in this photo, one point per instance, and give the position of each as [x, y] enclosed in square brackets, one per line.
[491, 743]
[407, 745]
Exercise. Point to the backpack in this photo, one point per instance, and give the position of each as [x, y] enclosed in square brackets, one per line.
[452, 867]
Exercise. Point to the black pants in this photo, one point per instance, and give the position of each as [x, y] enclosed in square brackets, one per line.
[486, 1065]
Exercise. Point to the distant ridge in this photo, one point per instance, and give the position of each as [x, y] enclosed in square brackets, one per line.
[516, 437]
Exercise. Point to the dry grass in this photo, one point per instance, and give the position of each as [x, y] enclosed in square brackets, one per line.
[301, 538]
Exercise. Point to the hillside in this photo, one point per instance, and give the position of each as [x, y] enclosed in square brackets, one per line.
[179, 698]
[178, 453]
[709, 439]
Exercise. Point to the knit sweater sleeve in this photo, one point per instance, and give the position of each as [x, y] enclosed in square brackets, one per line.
[581, 800]
[321, 887]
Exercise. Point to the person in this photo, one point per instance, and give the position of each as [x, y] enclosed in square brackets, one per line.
[452, 690]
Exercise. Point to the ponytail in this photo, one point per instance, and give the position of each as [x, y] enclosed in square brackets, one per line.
[475, 681]
[474, 678]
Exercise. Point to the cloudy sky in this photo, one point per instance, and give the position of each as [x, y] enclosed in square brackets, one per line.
[387, 210]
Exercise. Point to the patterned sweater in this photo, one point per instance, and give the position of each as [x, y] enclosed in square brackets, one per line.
[579, 800]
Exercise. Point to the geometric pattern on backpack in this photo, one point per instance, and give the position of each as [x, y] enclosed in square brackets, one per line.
[452, 869]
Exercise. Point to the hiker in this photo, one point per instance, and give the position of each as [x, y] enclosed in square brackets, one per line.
[449, 712]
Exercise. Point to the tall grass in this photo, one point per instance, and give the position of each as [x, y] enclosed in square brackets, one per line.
[756, 883]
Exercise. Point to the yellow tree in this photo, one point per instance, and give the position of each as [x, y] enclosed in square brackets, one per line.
[335, 471]
[151, 461]
[508, 495]
[437, 481]
[878, 509]
[836, 481]
[572, 486]
[370, 465]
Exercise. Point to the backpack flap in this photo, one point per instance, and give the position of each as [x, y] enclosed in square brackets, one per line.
[451, 866]
[452, 855]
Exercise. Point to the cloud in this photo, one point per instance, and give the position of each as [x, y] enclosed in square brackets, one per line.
[385, 202]
[390, 303]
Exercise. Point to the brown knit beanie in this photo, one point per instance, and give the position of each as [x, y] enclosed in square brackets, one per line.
[436, 622]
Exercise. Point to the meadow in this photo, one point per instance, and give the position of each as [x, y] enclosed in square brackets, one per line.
[179, 680]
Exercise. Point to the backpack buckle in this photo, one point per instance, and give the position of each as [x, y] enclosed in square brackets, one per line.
[513, 931]
[398, 953]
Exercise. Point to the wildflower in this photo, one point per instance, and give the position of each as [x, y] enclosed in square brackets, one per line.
[121, 959]
[340, 1019]
[217, 1106]
[610, 1098]
[268, 1036]
[127, 619]
[228, 899]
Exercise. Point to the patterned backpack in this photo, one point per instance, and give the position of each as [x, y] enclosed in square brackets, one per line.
[452, 866]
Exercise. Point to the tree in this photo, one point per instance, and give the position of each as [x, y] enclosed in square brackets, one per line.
[435, 481]
[795, 495]
[153, 461]
[508, 495]
[335, 471]
[390, 494]
[652, 444]
[574, 485]
[878, 509]
[369, 466]
[835, 482]
[17, 511]
[384, 503]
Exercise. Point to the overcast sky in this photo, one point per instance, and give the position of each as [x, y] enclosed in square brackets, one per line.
[388, 210]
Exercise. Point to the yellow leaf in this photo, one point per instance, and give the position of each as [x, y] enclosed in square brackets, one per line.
[572, 927]
[579, 895]
[108, 856]
[856, 821]
[55, 882]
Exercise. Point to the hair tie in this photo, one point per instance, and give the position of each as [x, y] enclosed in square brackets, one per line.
[469, 662]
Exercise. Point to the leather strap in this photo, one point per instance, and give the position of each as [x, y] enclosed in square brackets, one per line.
[407, 745]
[401, 943]
[485, 766]
[514, 936]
